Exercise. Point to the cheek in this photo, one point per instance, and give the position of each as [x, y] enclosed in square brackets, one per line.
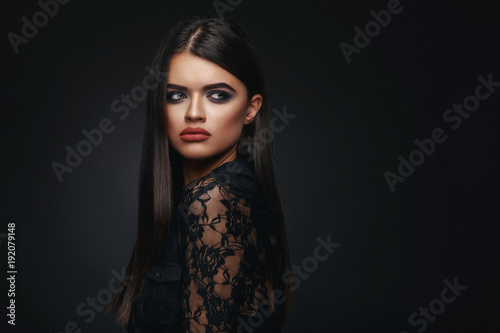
[232, 123]
[172, 125]
[235, 114]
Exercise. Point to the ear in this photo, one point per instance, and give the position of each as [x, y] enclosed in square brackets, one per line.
[253, 108]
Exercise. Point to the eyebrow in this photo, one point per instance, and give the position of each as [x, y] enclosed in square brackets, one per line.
[205, 88]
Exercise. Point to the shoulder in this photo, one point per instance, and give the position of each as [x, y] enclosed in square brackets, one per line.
[230, 189]
[233, 179]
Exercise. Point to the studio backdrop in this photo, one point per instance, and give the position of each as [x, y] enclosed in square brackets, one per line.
[385, 123]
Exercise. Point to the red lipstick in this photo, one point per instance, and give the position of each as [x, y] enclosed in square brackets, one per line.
[193, 134]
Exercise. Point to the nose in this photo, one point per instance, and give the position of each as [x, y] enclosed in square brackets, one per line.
[195, 111]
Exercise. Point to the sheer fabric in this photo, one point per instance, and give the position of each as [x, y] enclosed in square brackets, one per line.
[221, 269]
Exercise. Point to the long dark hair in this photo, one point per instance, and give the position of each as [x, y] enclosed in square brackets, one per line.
[224, 43]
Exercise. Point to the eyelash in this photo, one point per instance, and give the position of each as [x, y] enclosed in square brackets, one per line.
[224, 96]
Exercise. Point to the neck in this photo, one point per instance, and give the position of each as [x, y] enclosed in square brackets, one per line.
[194, 169]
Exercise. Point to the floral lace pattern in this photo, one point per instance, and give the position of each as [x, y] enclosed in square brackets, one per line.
[221, 264]
[225, 257]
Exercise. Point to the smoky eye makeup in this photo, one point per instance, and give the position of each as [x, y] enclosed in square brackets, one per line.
[216, 96]
[175, 96]
[219, 96]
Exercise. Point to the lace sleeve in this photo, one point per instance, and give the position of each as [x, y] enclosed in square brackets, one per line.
[216, 234]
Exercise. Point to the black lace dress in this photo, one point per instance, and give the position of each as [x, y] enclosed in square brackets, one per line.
[221, 268]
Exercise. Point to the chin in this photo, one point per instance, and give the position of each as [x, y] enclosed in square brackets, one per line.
[195, 154]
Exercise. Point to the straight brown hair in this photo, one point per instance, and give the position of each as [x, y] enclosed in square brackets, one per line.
[224, 43]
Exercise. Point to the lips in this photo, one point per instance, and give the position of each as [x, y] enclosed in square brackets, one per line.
[194, 130]
[194, 134]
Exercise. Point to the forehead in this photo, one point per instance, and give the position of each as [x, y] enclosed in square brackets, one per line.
[194, 72]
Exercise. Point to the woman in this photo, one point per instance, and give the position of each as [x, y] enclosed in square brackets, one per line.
[211, 253]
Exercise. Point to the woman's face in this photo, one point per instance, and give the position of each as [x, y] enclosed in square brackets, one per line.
[203, 95]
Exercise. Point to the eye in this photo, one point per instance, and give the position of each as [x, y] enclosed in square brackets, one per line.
[219, 96]
[175, 96]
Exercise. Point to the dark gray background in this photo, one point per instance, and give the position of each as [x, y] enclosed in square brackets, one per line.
[353, 120]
